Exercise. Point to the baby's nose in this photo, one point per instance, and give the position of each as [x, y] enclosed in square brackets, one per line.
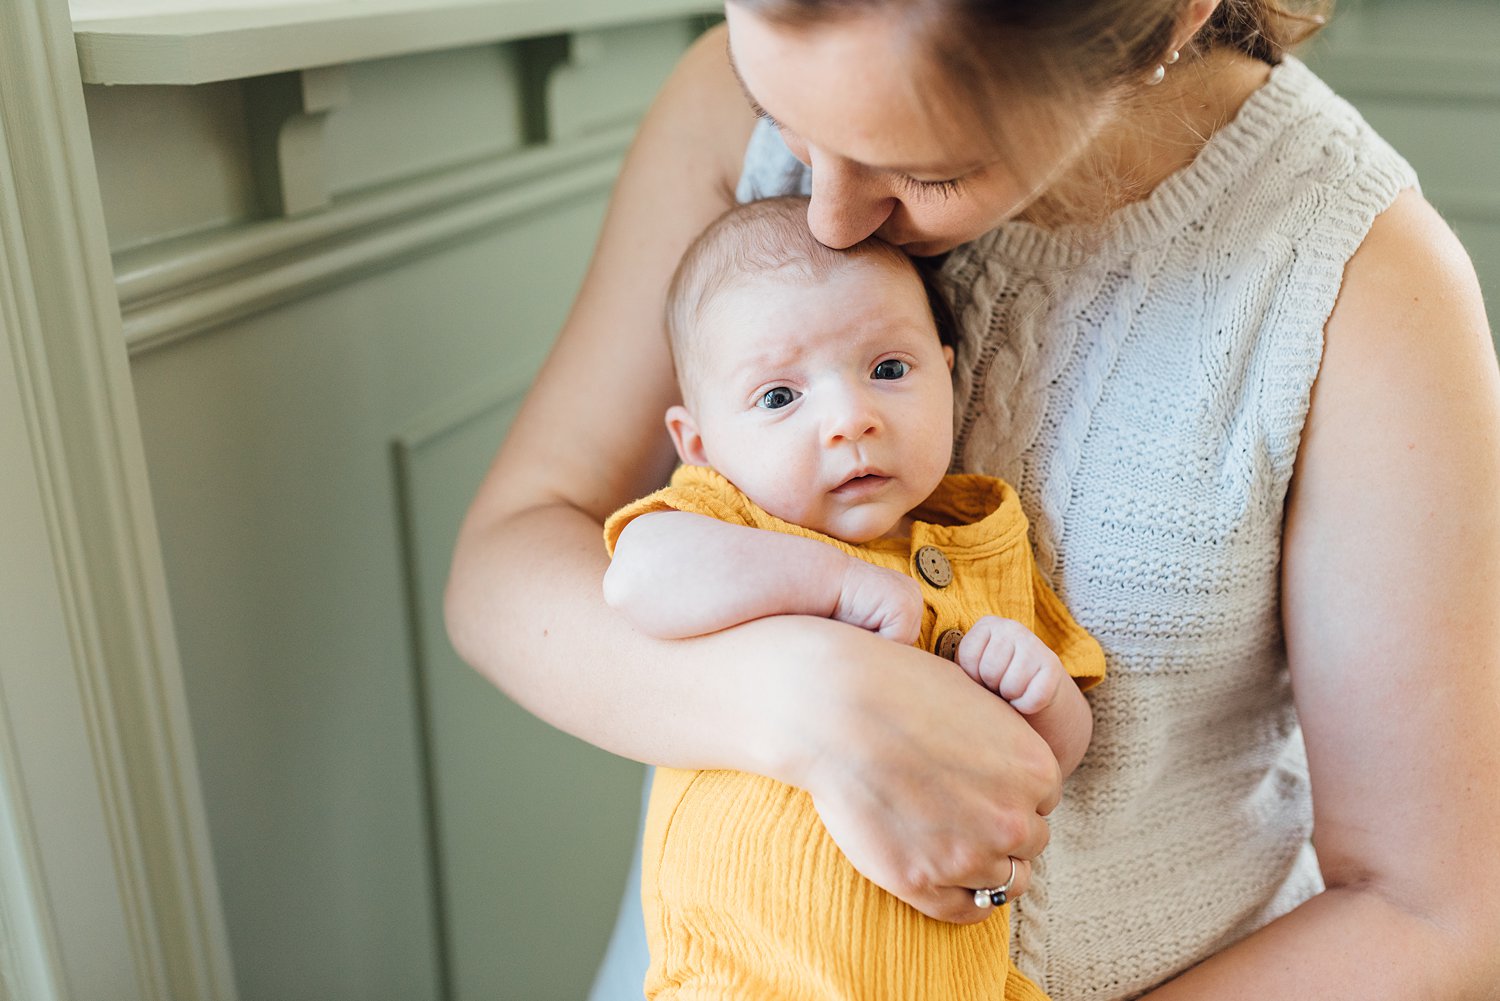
[853, 419]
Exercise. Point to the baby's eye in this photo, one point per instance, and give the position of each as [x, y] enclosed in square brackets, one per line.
[775, 399]
[891, 368]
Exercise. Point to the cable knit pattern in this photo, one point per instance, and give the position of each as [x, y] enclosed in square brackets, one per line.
[1144, 385]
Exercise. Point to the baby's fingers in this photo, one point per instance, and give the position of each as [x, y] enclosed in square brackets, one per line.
[1039, 691]
[987, 650]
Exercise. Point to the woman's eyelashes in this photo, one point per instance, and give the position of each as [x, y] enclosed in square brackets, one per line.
[930, 189]
[760, 112]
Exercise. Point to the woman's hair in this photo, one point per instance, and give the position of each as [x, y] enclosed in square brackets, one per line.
[1093, 43]
[770, 236]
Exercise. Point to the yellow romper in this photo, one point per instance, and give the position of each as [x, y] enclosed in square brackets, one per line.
[745, 895]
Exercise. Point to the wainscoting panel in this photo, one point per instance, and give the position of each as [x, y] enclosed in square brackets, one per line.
[300, 592]
[532, 827]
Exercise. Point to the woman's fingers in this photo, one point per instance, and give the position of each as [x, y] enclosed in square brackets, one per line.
[958, 904]
[927, 783]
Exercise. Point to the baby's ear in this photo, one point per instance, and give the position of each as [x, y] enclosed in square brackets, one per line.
[685, 436]
[948, 357]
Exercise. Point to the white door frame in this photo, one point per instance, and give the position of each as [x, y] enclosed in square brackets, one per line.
[107, 886]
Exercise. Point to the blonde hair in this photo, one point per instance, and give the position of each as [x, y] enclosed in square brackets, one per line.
[1070, 45]
[769, 236]
[1062, 58]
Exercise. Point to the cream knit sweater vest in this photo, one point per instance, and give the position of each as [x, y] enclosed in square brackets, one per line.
[1144, 387]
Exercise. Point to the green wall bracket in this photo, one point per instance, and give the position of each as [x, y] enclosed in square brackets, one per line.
[287, 113]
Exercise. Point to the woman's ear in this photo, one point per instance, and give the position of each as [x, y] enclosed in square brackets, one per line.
[1196, 16]
[685, 436]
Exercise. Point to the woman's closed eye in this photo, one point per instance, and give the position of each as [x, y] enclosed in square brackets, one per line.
[945, 188]
[930, 189]
[891, 368]
[775, 399]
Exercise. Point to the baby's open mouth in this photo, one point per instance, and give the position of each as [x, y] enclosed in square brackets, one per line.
[863, 483]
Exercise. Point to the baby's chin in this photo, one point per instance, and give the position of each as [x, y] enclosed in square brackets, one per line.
[859, 527]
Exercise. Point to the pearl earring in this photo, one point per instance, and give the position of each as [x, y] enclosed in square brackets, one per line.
[1160, 73]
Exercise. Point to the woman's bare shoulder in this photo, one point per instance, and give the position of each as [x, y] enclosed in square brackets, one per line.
[701, 120]
[1407, 357]
[1409, 278]
[1401, 450]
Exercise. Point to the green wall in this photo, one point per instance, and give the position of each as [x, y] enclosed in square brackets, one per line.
[319, 396]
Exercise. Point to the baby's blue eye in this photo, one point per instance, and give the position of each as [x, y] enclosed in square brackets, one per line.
[891, 368]
[775, 399]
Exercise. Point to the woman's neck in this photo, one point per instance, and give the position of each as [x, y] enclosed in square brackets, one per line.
[1150, 139]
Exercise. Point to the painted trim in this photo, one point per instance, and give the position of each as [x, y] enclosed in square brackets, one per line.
[189, 286]
[100, 780]
[405, 448]
[203, 46]
[28, 943]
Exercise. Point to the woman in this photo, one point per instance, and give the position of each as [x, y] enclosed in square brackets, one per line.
[1233, 362]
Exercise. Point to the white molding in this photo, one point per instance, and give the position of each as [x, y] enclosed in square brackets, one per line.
[185, 287]
[102, 806]
[203, 46]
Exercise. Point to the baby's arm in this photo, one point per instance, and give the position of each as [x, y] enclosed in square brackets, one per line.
[1014, 663]
[676, 574]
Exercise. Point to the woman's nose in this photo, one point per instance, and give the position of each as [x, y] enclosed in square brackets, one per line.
[847, 203]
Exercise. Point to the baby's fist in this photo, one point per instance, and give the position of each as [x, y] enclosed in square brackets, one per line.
[881, 601]
[1013, 662]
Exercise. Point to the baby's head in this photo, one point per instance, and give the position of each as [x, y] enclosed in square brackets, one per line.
[815, 380]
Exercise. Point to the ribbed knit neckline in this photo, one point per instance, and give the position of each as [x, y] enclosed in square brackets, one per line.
[1231, 151]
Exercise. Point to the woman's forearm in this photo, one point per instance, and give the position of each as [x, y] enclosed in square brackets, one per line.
[1352, 943]
[532, 619]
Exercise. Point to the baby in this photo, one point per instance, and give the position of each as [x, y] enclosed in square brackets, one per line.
[818, 404]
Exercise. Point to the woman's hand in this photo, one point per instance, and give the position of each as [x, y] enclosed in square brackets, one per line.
[926, 781]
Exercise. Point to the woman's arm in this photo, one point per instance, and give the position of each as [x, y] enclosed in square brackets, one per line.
[1391, 597]
[878, 733]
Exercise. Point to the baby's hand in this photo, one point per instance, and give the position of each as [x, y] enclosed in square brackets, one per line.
[1012, 661]
[880, 600]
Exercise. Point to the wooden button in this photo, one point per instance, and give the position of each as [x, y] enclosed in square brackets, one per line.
[934, 567]
[947, 644]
